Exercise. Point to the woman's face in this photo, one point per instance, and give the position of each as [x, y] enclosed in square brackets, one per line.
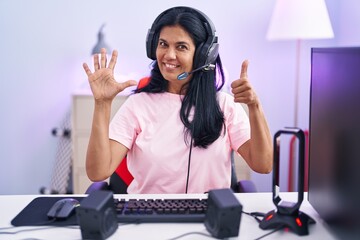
[175, 54]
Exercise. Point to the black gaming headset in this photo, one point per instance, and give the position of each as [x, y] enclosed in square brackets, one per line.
[205, 54]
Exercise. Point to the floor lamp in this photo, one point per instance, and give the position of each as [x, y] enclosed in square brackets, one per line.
[298, 20]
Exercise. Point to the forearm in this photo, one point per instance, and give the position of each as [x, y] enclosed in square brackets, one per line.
[261, 150]
[98, 157]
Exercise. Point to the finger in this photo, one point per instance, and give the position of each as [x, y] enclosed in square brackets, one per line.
[87, 69]
[236, 83]
[127, 84]
[241, 86]
[103, 58]
[96, 62]
[241, 100]
[244, 67]
[245, 98]
[113, 59]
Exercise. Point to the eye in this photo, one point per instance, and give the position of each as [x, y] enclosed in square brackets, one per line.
[162, 44]
[182, 47]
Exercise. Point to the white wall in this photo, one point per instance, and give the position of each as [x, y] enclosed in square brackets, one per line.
[43, 44]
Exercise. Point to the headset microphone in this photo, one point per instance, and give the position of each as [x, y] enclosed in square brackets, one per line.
[206, 67]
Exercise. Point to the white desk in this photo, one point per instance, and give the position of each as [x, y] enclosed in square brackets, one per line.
[249, 229]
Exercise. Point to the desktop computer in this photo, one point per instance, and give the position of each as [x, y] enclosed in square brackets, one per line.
[334, 138]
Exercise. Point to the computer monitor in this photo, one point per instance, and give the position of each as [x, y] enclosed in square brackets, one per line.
[334, 138]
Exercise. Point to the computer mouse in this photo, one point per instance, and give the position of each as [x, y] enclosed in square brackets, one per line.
[63, 208]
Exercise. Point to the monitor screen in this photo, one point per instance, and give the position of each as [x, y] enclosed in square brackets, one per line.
[334, 137]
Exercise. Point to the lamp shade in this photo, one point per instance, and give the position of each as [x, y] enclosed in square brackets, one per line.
[300, 19]
[100, 42]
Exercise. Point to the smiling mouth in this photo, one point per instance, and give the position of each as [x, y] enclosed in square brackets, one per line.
[171, 66]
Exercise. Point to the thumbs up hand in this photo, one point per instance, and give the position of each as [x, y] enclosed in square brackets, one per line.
[242, 89]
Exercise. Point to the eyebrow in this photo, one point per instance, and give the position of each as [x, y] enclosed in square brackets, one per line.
[179, 43]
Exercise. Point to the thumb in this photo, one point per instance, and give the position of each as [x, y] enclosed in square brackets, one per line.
[244, 67]
[127, 84]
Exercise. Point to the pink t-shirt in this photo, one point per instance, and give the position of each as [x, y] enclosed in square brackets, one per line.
[150, 126]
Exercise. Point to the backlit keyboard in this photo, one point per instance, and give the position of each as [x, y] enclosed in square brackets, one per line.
[160, 210]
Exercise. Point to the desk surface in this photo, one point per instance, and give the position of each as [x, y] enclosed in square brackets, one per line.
[11, 205]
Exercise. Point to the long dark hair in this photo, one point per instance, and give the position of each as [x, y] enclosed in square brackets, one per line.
[200, 95]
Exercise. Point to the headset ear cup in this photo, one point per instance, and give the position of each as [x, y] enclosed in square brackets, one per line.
[206, 54]
[154, 43]
[148, 43]
[150, 49]
[151, 44]
[212, 54]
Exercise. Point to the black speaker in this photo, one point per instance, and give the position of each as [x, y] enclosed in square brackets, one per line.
[223, 215]
[96, 215]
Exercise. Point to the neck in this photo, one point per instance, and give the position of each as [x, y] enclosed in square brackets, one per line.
[177, 88]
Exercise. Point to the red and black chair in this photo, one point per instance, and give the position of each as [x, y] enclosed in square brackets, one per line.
[121, 178]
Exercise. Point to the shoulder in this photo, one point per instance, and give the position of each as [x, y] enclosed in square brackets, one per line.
[139, 97]
[145, 96]
[134, 101]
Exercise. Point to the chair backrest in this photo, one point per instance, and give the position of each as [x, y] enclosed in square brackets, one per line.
[121, 178]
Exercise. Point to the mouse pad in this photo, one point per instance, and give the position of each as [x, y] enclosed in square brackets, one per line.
[35, 213]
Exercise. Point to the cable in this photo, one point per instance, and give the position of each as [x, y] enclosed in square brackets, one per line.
[273, 231]
[255, 215]
[46, 227]
[188, 168]
[6, 228]
[191, 141]
[26, 230]
[190, 233]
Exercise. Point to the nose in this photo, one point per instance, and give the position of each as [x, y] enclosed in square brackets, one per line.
[170, 53]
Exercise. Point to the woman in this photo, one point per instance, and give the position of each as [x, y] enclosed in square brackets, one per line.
[177, 134]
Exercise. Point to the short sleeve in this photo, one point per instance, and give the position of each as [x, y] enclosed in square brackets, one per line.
[236, 120]
[124, 126]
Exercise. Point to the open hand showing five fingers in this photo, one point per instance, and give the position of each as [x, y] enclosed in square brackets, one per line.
[102, 82]
[242, 89]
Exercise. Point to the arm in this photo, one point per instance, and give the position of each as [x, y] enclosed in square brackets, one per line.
[103, 155]
[258, 150]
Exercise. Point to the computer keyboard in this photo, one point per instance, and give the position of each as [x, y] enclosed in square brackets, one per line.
[160, 210]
